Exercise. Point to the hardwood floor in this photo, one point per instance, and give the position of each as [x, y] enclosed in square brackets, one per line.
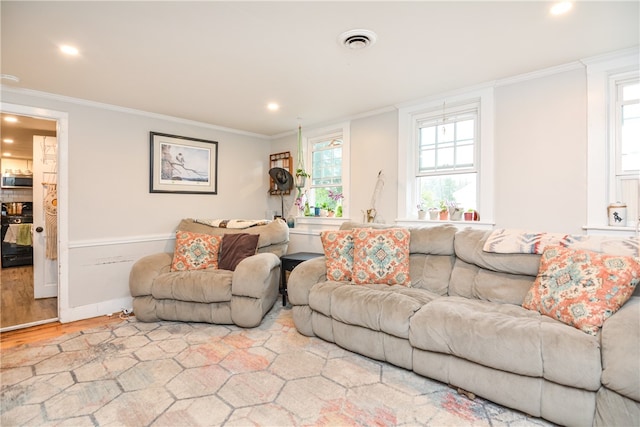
[17, 304]
[51, 330]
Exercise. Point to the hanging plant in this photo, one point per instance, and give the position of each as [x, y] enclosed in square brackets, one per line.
[301, 174]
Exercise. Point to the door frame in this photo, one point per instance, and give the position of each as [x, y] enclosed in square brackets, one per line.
[62, 134]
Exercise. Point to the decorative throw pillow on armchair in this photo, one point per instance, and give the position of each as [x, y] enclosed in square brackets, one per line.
[195, 251]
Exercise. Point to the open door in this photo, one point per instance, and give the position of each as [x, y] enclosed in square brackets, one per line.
[45, 219]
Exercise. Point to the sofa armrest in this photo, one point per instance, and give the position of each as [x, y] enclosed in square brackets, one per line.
[620, 343]
[251, 277]
[145, 270]
[303, 277]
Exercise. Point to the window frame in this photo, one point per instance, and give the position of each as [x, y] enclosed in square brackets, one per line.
[341, 129]
[602, 73]
[409, 118]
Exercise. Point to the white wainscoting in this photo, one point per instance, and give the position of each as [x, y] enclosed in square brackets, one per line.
[99, 274]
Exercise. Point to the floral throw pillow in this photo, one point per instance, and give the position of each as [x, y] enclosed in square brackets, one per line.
[338, 252]
[582, 288]
[195, 251]
[381, 256]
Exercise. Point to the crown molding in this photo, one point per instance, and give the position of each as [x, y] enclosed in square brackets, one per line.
[126, 110]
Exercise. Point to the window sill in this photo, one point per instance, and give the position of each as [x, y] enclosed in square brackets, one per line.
[412, 222]
[610, 231]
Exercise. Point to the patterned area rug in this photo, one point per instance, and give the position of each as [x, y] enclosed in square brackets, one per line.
[191, 374]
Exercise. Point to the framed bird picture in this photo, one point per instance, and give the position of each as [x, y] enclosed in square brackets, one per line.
[179, 164]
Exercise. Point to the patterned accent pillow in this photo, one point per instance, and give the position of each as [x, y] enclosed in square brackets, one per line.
[582, 288]
[381, 256]
[195, 251]
[338, 252]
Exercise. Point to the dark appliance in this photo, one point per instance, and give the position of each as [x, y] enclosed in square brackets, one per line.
[13, 214]
[17, 181]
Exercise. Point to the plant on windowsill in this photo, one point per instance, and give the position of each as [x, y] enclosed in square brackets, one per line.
[443, 214]
[422, 213]
[337, 197]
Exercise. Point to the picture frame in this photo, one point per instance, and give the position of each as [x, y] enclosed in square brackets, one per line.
[182, 165]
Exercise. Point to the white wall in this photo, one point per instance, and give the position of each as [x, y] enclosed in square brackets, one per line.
[541, 153]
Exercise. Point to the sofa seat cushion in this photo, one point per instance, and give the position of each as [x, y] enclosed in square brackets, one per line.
[509, 338]
[378, 307]
[204, 286]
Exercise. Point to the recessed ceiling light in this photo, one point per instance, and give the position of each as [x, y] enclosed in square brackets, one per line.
[357, 39]
[561, 8]
[10, 119]
[69, 50]
[272, 106]
[8, 140]
[6, 154]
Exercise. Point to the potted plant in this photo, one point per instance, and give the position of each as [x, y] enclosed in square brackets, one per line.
[455, 212]
[421, 210]
[338, 199]
[301, 177]
[471, 215]
[443, 214]
[433, 213]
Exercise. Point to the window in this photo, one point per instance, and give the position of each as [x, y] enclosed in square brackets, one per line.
[445, 148]
[328, 155]
[625, 146]
[446, 152]
[613, 134]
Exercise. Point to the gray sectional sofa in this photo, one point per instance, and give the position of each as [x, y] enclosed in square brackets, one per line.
[461, 323]
[221, 296]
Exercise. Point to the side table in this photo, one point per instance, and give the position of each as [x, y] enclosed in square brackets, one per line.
[288, 263]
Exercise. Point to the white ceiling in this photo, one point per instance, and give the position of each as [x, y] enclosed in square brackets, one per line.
[222, 62]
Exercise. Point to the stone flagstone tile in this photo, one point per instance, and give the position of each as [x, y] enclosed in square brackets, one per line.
[136, 408]
[268, 414]
[201, 411]
[81, 399]
[36, 389]
[155, 373]
[250, 389]
[61, 362]
[307, 396]
[246, 360]
[86, 341]
[25, 415]
[105, 369]
[203, 354]
[199, 381]
[297, 364]
[13, 376]
[27, 355]
[352, 371]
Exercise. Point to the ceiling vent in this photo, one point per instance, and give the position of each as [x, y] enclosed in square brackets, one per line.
[357, 39]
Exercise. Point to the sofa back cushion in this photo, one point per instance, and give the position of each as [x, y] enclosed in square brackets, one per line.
[504, 278]
[274, 236]
[431, 254]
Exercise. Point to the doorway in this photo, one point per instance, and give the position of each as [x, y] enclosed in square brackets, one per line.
[19, 305]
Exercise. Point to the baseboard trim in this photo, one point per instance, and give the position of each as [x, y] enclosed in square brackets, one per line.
[102, 308]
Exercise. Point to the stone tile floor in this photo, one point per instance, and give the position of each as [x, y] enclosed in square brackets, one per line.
[179, 374]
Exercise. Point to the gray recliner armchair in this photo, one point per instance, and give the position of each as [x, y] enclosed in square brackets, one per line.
[241, 297]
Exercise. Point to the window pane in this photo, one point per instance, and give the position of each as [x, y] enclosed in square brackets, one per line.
[630, 92]
[428, 136]
[445, 158]
[459, 188]
[464, 155]
[464, 130]
[445, 132]
[427, 160]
